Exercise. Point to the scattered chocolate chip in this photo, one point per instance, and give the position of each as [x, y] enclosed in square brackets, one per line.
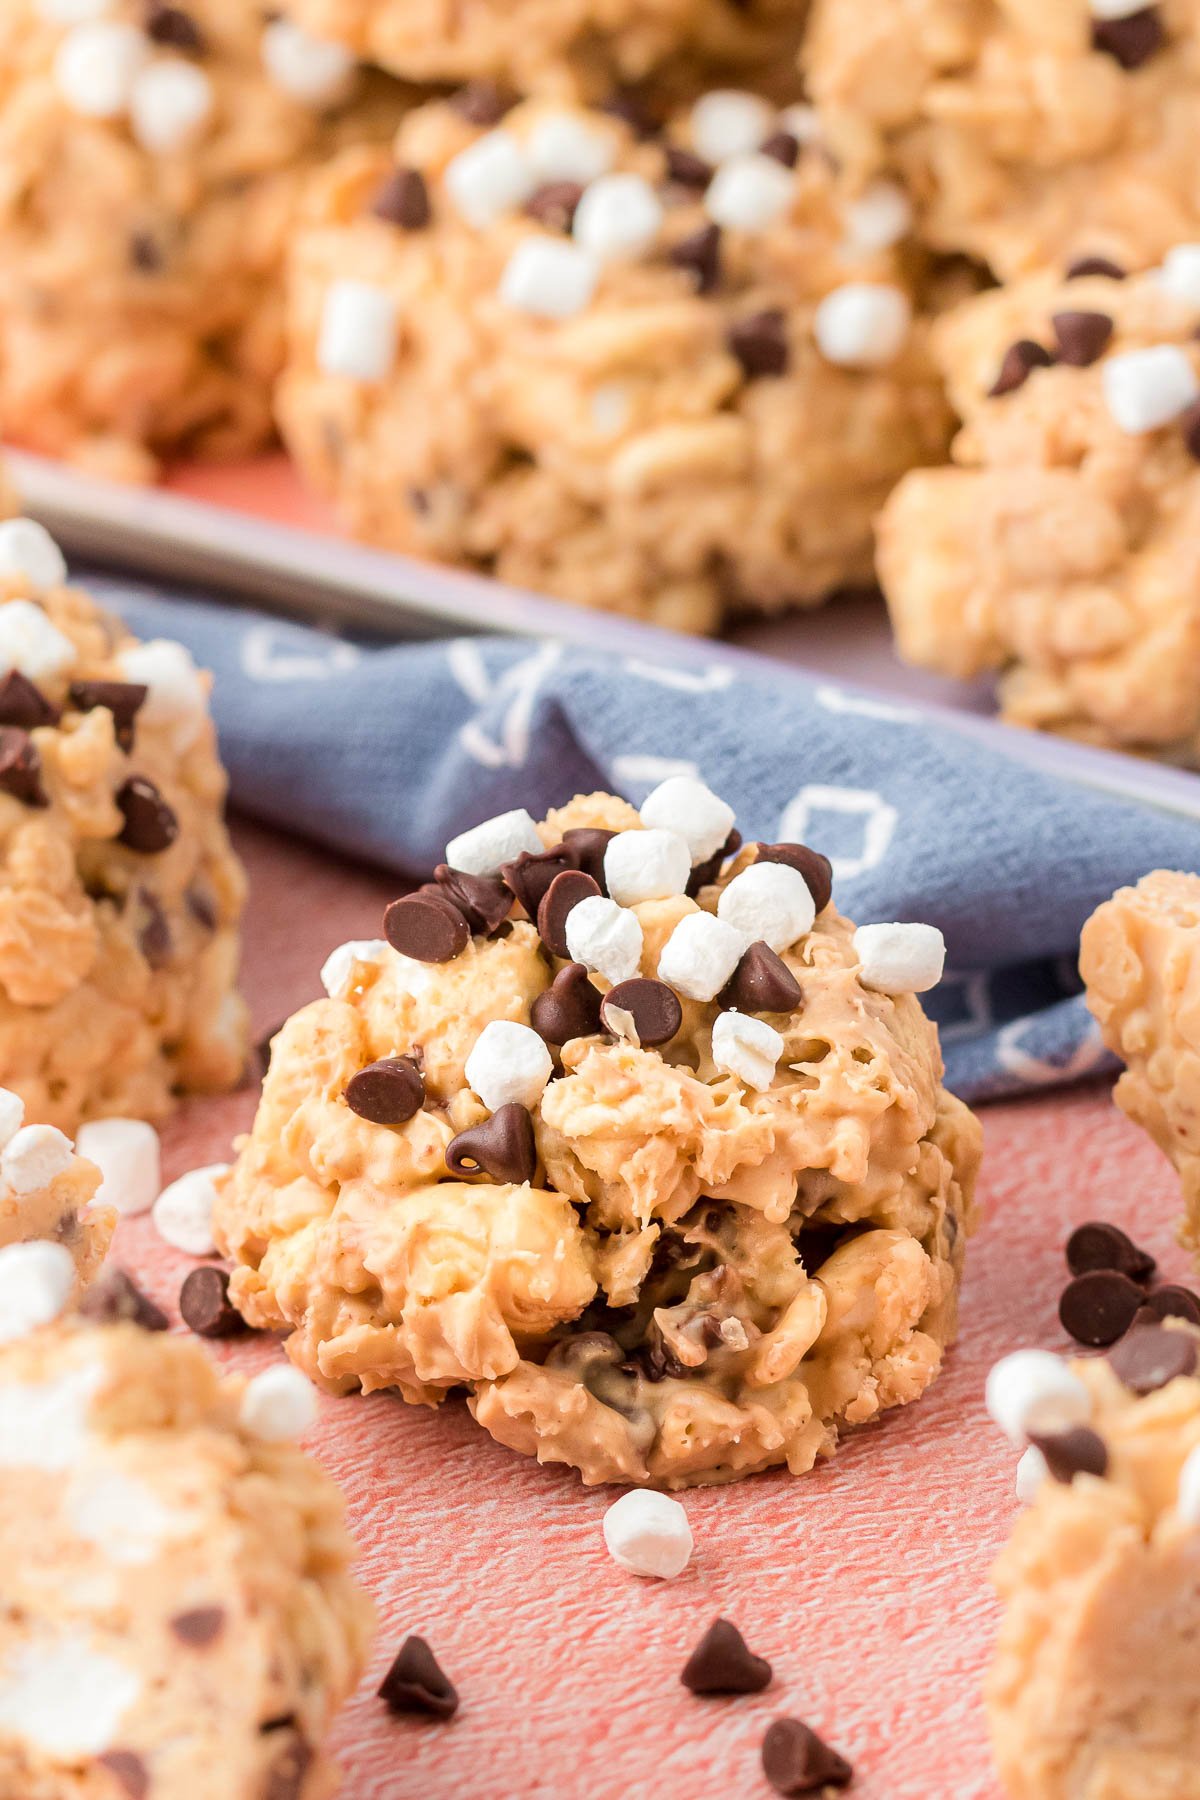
[403, 200]
[529, 875]
[553, 205]
[115, 1298]
[205, 1306]
[760, 344]
[1189, 423]
[721, 1663]
[416, 1683]
[502, 1147]
[653, 1006]
[633, 111]
[587, 844]
[1149, 1356]
[483, 102]
[569, 1008]
[1094, 265]
[483, 900]
[699, 255]
[153, 930]
[174, 28]
[387, 1092]
[145, 253]
[796, 1761]
[21, 767]
[199, 1626]
[427, 926]
[124, 700]
[150, 825]
[762, 982]
[1020, 360]
[816, 869]
[1132, 40]
[1173, 1302]
[1081, 337]
[1098, 1245]
[782, 147]
[1098, 1308]
[23, 704]
[128, 1769]
[1080, 1451]
[686, 169]
[704, 873]
[288, 1772]
[564, 892]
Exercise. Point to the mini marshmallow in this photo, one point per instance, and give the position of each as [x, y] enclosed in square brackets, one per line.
[359, 331]
[605, 937]
[801, 122]
[126, 1152]
[304, 67]
[900, 959]
[176, 695]
[482, 849]
[30, 643]
[748, 193]
[26, 548]
[548, 279]
[278, 1405]
[170, 105]
[563, 147]
[64, 1699]
[183, 1212]
[768, 901]
[646, 865]
[490, 177]
[648, 1534]
[1188, 1502]
[729, 122]
[1031, 1473]
[617, 216]
[337, 971]
[684, 805]
[1033, 1393]
[1180, 273]
[36, 1279]
[34, 1157]
[96, 65]
[862, 325]
[880, 216]
[746, 1047]
[1144, 389]
[509, 1062]
[700, 956]
[1115, 9]
[12, 1115]
[70, 12]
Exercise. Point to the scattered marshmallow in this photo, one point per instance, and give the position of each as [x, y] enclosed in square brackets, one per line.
[359, 331]
[170, 105]
[1032, 1392]
[878, 218]
[729, 122]
[490, 177]
[337, 972]
[34, 1157]
[648, 1534]
[26, 548]
[646, 865]
[548, 279]
[900, 959]
[1180, 273]
[768, 901]
[605, 937]
[563, 147]
[183, 1212]
[176, 694]
[862, 324]
[306, 68]
[684, 805]
[12, 1115]
[36, 1279]
[126, 1152]
[509, 1062]
[278, 1405]
[1188, 1502]
[617, 216]
[30, 643]
[748, 193]
[482, 849]
[1032, 1471]
[1144, 389]
[700, 956]
[746, 1047]
[96, 66]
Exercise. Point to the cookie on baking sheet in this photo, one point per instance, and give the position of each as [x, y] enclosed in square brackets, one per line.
[666, 372]
[670, 1183]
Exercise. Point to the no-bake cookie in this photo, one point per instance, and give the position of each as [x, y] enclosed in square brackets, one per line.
[632, 1136]
[666, 372]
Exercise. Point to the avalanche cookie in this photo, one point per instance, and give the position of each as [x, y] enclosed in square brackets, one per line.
[119, 893]
[644, 1146]
[664, 372]
[1029, 133]
[178, 1616]
[1064, 547]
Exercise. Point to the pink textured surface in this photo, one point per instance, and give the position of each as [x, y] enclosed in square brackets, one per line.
[864, 1583]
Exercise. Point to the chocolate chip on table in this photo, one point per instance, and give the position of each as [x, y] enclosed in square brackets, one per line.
[205, 1306]
[1081, 337]
[569, 1007]
[124, 700]
[114, 1297]
[796, 1761]
[816, 869]
[483, 900]
[21, 767]
[705, 873]
[199, 1626]
[1098, 1245]
[23, 704]
[529, 875]
[502, 1147]
[150, 824]
[1095, 265]
[1018, 363]
[1149, 1356]
[387, 1092]
[1132, 40]
[1172, 1302]
[782, 147]
[553, 204]
[653, 1006]
[1080, 1451]
[587, 844]
[128, 1770]
[762, 982]
[417, 1683]
[721, 1663]
[564, 892]
[699, 255]
[686, 169]
[403, 200]
[173, 28]
[426, 926]
[1099, 1307]
[1189, 424]
[483, 102]
[759, 341]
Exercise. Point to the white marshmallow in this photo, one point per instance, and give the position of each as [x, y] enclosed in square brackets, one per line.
[359, 331]
[1115, 9]
[482, 849]
[563, 147]
[617, 216]
[71, 12]
[1144, 389]
[1180, 272]
[801, 122]
[170, 105]
[900, 959]
[648, 1534]
[490, 177]
[183, 1212]
[605, 937]
[65, 1699]
[30, 643]
[878, 218]
[548, 278]
[278, 1405]
[610, 408]
[748, 193]
[700, 955]
[1033, 1393]
[1031, 1473]
[34, 1157]
[26, 548]
[12, 1115]
[1188, 1502]
[36, 1279]
[768, 901]
[176, 696]
[862, 324]
[646, 865]
[508, 1062]
[95, 67]
[306, 68]
[746, 1047]
[729, 122]
[684, 805]
[337, 972]
[126, 1152]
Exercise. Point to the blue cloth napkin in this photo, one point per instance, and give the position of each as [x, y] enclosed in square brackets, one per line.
[385, 752]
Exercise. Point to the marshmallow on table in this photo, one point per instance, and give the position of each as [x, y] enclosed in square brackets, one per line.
[618, 215]
[684, 805]
[746, 1047]
[1145, 389]
[278, 1405]
[563, 147]
[900, 959]
[170, 105]
[700, 956]
[26, 548]
[30, 643]
[770, 902]
[491, 177]
[183, 1212]
[646, 865]
[548, 279]
[485, 847]
[1031, 1473]
[126, 1152]
[508, 1062]
[358, 333]
[96, 65]
[648, 1534]
[605, 937]
[304, 67]
[748, 193]
[1033, 1393]
[863, 324]
[34, 1157]
[337, 971]
[36, 1279]
[729, 122]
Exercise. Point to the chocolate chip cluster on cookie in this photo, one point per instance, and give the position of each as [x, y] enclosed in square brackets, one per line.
[624, 1129]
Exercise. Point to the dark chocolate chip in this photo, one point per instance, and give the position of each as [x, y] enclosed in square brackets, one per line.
[124, 700]
[1018, 364]
[483, 102]
[569, 1008]
[587, 844]
[1149, 1356]
[205, 1306]
[199, 1626]
[816, 869]
[502, 1147]
[150, 825]
[202, 907]
[483, 900]
[1095, 265]
[762, 982]
[703, 873]
[1080, 1451]
[1098, 1308]
[796, 1761]
[387, 1092]
[145, 253]
[1189, 423]
[553, 205]
[699, 255]
[21, 767]
[564, 892]
[1173, 1302]
[23, 704]
[427, 926]
[1132, 40]
[417, 1683]
[721, 1663]
[1098, 1245]
[633, 111]
[529, 875]
[760, 344]
[114, 1298]
[174, 28]
[289, 1771]
[782, 147]
[686, 169]
[153, 930]
[403, 200]
[1081, 337]
[653, 1006]
[129, 1771]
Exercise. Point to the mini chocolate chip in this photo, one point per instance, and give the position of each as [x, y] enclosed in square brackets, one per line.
[816, 869]
[796, 1761]
[205, 1306]
[762, 982]
[1132, 40]
[1019, 362]
[760, 344]
[387, 1092]
[403, 200]
[569, 1008]
[153, 930]
[1149, 1356]
[199, 1626]
[553, 205]
[699, 255]
[1173, 1302]
[686, 169]
[427, 926]
[721, 1663]
[782, 147]
[483, 900]
[1189, 423]
[145, 253]
[564, 892]
[124, 700]
[587, 844]
[1080, 1451]
[1098, 1245]
[174, 28]
[115, 1298]
[150, 825]
[128, 1769]
[21, 767]
[502, 1147]
[483, 102]
[417, 1683]
[23, 704]
[529, 875]
[703, 873]
[1081, 337]
[202, 907]
[1098, 1308]
[633, 111]
[653, 1006]
[289, 1771]
[1094, 265]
